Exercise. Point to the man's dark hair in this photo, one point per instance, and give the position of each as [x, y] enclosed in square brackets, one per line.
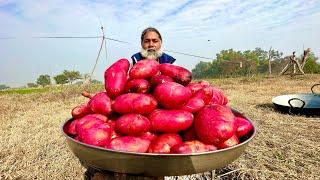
[150, 29]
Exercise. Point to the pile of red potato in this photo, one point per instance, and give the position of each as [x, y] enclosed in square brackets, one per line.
[155, 108]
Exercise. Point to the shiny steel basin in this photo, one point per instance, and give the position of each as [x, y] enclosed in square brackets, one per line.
[150, 164]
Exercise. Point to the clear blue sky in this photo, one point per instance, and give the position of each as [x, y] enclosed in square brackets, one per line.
[186, 26]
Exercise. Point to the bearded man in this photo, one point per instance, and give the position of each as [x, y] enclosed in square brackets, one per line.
[151, 42]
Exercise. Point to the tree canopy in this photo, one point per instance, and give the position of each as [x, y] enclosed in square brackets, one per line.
[238, 63]
[44, 80]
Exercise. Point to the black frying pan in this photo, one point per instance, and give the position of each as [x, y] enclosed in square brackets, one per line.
[303, 103]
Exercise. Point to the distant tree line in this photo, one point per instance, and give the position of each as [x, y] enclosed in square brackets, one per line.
[66, 77]
[239, 63]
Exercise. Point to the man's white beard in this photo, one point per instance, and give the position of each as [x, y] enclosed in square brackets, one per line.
[151, 54]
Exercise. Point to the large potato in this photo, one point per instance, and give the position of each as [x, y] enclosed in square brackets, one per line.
[144, 69]
[115, 77]
[172, 95]
[194, 146]
[214, 124]
[132, 124]
[170, 121]
[134, 103]
[178, 74]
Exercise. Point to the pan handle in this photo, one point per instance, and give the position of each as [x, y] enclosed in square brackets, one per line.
[289, 102]
[312, 89]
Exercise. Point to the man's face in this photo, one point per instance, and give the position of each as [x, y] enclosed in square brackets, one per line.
[151, 41]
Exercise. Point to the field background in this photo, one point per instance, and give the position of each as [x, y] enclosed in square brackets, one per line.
[286, 146]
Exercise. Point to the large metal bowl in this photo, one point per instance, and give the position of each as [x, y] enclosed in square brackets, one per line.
[150, 164]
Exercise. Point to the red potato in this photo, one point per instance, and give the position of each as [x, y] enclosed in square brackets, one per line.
[132, 124]
[170, 121]
[100, 103]
[137, 86]
[194, 87]
[134, 103]
[115, 77]
[158, 79]
[177, 73]
[229, 143]
[99, 135]
[214, 124]
[129, 144]
[99, 116]
[194, 146]
[193, 105]
[87, 124]
[172, 95]
[80, 111]
[243, 126]
[205, 93]
[163, 143]
[144, 69]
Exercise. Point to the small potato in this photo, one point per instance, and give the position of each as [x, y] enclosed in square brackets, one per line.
[193, 105]
[137, 86]
[80, 111]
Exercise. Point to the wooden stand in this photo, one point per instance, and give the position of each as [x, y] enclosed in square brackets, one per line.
[94, 174]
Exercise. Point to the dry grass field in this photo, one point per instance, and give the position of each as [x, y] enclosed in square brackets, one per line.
[286, 146]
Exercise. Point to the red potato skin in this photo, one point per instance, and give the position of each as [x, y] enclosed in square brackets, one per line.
[170, 121]
[80, 111]
[98, 135]
[163, 143]
[228, 143]
[129, 144]
[172, 95]
[194, 87]
[189, 134]
[218, 97]
[134, 103]
[214, 124]
[205, 94]
[243, 126]
[148, 136]
[193, 105]
[100, 103]
[194, 146]
[115, 78]
[177, 73]
[132, 124]
[144, 69]
[158, 79]
[80, 128]
[99, 116]
[137, 86]
[71, 128]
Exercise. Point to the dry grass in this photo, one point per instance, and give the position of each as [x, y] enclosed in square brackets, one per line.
[286, 147]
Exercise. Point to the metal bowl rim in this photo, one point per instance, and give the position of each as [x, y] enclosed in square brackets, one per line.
[163, 155]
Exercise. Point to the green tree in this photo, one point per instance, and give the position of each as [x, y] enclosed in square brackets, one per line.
[44, 80]
[72, 75]
[3, 86]
[61, 79]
